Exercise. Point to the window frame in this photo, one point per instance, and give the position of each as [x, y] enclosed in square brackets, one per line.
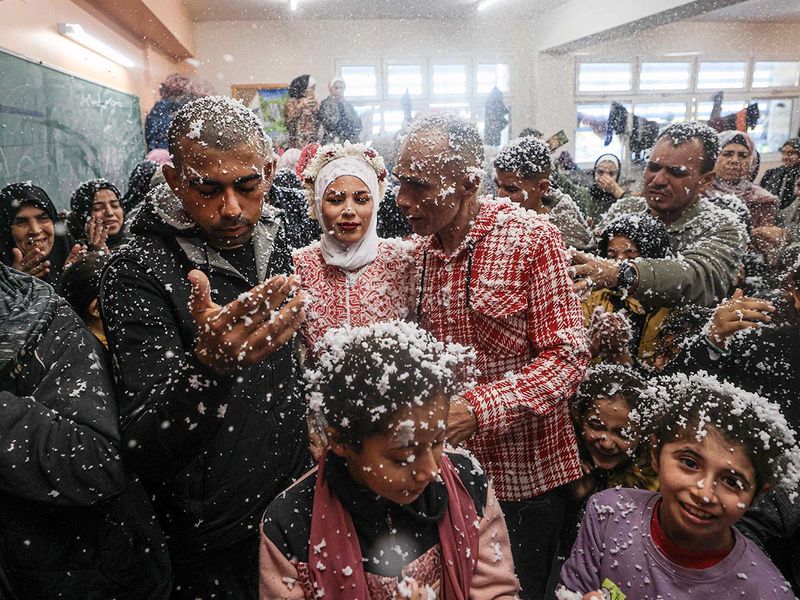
[475, 102]
[692, 96]
[376, 64]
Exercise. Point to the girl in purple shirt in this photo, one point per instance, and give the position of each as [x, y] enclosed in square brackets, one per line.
[715, 448]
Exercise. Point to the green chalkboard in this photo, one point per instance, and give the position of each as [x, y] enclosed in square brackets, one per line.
[58, 130]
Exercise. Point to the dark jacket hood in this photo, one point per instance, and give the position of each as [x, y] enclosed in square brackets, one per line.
[81, 203]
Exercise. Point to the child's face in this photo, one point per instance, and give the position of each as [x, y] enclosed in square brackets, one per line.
[706, 487]
[400, 463]
[621, 247]
[605, 432]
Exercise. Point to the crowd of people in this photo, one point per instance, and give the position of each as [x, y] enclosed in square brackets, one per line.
[321, 375]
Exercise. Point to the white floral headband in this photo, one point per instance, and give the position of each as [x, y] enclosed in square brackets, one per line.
[331, 152]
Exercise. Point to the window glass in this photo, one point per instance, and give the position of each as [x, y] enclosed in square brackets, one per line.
[461, 109]
[663, 113]
[604, 77]
[665, 76]
[776, 74]
[361, 81]
[774, 124]
[449, 80]
[400, 78]
[370, 116]
[590, 133]
[728, 107]
[721, 75]
[392, 120]
[489, 76]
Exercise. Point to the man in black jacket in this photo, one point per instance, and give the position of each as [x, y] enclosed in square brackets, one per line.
[198, 321]
[73, 524]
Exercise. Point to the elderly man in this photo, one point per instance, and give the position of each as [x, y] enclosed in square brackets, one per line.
[494, 276]
[197, 321]
[709, 242]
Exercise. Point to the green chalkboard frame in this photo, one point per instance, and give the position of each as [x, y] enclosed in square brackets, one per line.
[58, 130]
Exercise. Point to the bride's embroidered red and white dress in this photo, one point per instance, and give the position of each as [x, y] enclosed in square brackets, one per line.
[382, 290]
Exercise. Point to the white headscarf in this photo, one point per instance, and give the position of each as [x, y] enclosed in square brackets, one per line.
[365, 250]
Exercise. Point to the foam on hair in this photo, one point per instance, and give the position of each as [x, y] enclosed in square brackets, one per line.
[680, 133]
[219, 122]
[690, 406]
[463, 139]
[364, 376]
[528, 157]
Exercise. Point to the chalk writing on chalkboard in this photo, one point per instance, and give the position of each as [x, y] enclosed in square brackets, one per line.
[58, 130]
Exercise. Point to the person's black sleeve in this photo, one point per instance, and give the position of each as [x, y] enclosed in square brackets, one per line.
[59, 431]
[170, 404]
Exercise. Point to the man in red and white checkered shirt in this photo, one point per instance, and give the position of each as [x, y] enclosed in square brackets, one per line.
[494, 276]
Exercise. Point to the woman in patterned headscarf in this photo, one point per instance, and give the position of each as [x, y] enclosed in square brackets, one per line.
[737, 157]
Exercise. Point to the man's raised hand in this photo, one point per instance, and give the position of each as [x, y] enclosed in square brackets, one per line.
[247, 330]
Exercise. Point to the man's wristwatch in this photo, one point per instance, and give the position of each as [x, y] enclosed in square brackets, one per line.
[627, 276]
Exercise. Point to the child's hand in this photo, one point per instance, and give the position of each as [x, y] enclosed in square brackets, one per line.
[610, 336]
[735, 313]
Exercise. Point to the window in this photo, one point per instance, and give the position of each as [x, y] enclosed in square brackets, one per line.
[489, 76]
[774, 124]
[665, 76]
[671, 90]
[728, 107]
[449, 80]
[461, 109]
[663, 113]
[589, 136]
[392, 120]
[604, 77]
[361, 81]
[400, 78]
[721, 75]
[776, 74]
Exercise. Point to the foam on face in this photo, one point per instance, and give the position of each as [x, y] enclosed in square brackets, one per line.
[678, 395]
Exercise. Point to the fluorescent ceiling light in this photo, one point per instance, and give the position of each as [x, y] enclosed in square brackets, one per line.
[484, 4]
[293, 4]
[77, 34]
[682, 53]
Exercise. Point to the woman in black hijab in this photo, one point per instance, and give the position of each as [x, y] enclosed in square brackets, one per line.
[781, 180]
[32, 240]
[606, 189]
[97, 215]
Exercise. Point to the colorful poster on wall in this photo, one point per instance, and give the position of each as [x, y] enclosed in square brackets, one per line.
[267, 101]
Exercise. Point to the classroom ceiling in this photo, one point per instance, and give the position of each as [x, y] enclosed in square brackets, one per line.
[215, 10]
[757, 10]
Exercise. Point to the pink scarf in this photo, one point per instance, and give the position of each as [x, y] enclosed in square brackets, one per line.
[334, 560]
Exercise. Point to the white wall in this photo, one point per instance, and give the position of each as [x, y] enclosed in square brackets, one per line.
[240, 52]
[236, 52]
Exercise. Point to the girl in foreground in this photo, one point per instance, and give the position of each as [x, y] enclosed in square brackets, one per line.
[715, 448]
[387, 513]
